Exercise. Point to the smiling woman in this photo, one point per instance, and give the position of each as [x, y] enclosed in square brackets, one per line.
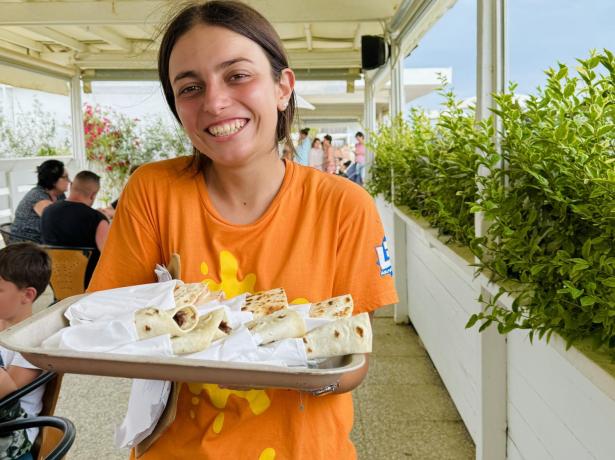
[236, 211]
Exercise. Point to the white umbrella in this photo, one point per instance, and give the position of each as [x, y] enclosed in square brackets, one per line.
[303, 104]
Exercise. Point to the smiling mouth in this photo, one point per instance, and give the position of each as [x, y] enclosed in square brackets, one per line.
[226, 129]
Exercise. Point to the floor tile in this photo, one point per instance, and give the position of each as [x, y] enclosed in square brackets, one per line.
[391, 440]
[401, 370]
[406, 403]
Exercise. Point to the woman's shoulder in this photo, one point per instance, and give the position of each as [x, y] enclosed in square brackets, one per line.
[331, 186]
[171, 167]
[37, 193]
[162, 172]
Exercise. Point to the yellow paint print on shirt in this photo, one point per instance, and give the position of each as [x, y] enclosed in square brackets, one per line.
[267, 454]
[218, 422]
[230, 283]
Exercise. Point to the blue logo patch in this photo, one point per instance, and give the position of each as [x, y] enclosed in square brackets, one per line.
[384, 258]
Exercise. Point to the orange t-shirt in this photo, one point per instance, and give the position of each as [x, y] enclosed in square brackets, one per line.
[320, 237]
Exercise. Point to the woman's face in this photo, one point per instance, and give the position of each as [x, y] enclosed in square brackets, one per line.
[225, 95]
[317, 144]
[63, 182]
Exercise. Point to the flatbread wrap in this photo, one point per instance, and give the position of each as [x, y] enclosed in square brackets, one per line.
[282, 324]
[341, 337]
[334, 308]
[190, 293]
[152, 322]
[199, 338]
[266, 302]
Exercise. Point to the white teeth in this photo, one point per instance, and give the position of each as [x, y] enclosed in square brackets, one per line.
[227, 128]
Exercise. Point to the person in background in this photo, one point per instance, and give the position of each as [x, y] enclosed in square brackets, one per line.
[303, 147]
[52, 183]
[73, 222]
[315, 158]
[328, 155]
[359, 156]
[25, 270]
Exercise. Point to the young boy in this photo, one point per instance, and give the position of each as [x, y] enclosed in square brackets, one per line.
[25, 270]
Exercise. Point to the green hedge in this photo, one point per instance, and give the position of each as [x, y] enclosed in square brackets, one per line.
[548, 195]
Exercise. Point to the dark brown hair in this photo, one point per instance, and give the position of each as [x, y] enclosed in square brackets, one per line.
[241, 19]
[25, 265]
[48, 173]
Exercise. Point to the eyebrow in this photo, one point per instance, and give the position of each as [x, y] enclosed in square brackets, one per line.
[222, 65]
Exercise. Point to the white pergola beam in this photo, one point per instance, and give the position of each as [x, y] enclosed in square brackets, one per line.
[141, 12]
[35, 64]
[58, 37]
[111, 37]
[357, 37]
[299, 59]
[308, 36]
[20, 40]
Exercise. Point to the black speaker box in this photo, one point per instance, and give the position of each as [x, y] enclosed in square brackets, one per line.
[373, 51]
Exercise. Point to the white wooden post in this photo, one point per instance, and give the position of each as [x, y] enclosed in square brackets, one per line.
[369, 120]
[76, 111]
[397, 80]
[493, 352]
[399, 234]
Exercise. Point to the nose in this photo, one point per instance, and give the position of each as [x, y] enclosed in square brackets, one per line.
[215, 98]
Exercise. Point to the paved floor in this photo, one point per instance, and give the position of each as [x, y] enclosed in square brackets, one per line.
[402, 408]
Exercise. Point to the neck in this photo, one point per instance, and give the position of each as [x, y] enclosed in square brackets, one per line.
[54, 194]
[77, 198]
[242, 194]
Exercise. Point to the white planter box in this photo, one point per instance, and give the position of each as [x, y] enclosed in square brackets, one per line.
[527, 401]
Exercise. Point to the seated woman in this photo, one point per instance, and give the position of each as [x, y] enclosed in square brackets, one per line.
[52, 182]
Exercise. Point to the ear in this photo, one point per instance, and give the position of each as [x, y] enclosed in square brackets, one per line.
[29, 294]
[285, 88]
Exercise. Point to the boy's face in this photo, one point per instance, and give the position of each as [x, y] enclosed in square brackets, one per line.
[12, 299]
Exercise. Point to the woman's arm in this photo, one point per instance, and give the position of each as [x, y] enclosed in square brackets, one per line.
[40, 206]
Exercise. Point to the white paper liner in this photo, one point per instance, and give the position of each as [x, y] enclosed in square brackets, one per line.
[148, 399]
[102, 336]
[108, 305]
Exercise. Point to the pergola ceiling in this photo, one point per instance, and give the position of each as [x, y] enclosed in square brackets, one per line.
[119, 39]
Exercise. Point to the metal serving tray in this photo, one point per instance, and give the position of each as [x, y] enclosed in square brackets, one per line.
[26, 338]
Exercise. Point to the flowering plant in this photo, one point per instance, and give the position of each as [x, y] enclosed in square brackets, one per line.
[115, 142]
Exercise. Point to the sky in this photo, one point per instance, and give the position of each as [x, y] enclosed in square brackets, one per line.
[540, 33]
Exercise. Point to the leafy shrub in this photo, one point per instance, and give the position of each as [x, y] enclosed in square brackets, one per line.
[550, 208]
[33, 133]
[432, 166]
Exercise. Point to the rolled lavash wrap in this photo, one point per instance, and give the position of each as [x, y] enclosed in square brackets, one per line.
[152, 322]
[279, 325]
[333, 308]
[198, 339]
[341, 337]
[265, 302]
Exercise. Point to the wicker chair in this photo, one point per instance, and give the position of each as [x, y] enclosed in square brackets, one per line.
[68, 269]
[57, 434]
[10, 237]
